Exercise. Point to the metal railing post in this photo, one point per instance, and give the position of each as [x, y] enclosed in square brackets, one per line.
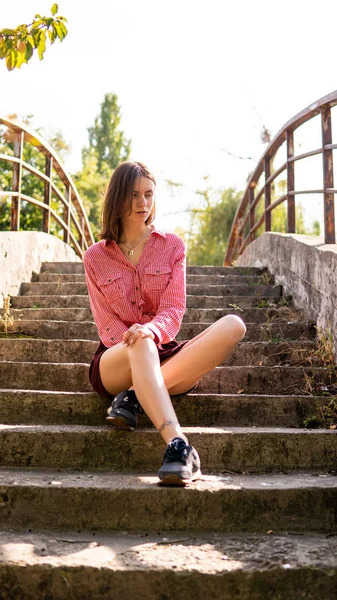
[18, 140]
[291, 211]
[328, 196]
[66, 216]
[251, 214]
[267, 195]
[47, 194]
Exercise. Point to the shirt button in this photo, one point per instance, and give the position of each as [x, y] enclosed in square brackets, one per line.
[137, 288]
[109, 280]
[157, 271]
[133, 302]
[108, 328]
[111, 338]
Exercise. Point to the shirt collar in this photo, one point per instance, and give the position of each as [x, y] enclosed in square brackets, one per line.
[153, 230]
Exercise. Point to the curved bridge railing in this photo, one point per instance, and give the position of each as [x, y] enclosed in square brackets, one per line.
[71, 221]
[246, 221]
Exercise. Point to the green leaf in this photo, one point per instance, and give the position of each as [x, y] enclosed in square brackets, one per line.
[29, 51]
[41, 48]
[7, 32]
[54, 9]
[10, 60]
[58, 30]
[20, 59]
[64, 30]
[36, 36]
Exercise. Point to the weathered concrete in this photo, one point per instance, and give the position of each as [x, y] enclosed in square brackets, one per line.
[46, 288]
[34, 499]
[98, 566]
[66, 267]
[86, 330]
[74, 377]
[192, 315]
[195, 301]
[266, 354]
[22, 252]
[195, 279]
[78, 567]
[242, 450]
[306, 267]
[224, 410]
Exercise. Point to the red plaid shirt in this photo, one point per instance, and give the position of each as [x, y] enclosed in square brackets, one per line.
[153, 293]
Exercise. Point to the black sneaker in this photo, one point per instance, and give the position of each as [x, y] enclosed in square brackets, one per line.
[124, 410]
[181, 464]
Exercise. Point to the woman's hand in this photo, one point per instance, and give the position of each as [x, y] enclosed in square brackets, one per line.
[136, 332]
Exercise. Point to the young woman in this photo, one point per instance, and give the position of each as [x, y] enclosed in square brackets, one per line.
[136, 283]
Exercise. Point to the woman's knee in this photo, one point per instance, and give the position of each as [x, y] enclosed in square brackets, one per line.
[234, 325]
[146, 345]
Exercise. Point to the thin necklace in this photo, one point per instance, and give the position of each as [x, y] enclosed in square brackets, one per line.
[130, 249]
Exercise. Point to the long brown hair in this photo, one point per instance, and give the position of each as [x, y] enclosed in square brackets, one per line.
[118, 198]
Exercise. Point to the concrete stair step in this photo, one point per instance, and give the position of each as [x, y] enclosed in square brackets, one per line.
[78, 351]
[78, 267]
[235, 449]
[192, 315]
[193, 566]
[190, 278]
[86, 330]
[222, 410]
[74, 377]
[81, 301]
[47, 288]
[89, 501]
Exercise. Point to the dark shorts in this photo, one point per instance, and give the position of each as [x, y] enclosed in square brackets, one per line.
[165, 351]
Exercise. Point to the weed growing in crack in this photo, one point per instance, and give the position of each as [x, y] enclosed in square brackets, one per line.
[265, 279]
[236, 307]
[325, 415]
[7, 318]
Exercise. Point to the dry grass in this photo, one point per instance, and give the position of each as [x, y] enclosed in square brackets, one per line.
[7, 319]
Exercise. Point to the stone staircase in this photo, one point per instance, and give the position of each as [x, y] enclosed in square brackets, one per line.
[81, 514]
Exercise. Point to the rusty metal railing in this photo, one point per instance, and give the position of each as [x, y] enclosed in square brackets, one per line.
[245, 219]
[73, 224]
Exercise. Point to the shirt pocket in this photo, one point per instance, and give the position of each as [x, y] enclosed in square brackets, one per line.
[156, 278]
[112, 286]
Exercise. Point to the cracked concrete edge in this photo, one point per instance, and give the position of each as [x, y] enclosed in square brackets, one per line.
[26, 250]
[307, 269]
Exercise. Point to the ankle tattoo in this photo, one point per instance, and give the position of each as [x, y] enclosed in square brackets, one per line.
[167, 424]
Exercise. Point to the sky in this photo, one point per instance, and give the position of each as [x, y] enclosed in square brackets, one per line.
[195, 81]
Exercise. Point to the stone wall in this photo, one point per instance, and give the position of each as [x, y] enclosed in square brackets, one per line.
[22, 252]
[307, 269]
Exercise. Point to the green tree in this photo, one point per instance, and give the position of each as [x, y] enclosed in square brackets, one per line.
[31, 216]
[91, 185]
[17, 46]
[211, 225]
[107, 148]
[106, 139]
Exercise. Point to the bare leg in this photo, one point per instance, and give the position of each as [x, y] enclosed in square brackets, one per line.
[122, 367]
[202, 353]
[138, 365]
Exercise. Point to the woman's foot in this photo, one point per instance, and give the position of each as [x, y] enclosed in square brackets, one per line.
[124, 411]
[181, 464]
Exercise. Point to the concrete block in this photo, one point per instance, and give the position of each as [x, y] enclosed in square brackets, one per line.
[306, 267]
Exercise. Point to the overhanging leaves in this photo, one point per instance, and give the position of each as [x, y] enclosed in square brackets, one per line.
[17, 46]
